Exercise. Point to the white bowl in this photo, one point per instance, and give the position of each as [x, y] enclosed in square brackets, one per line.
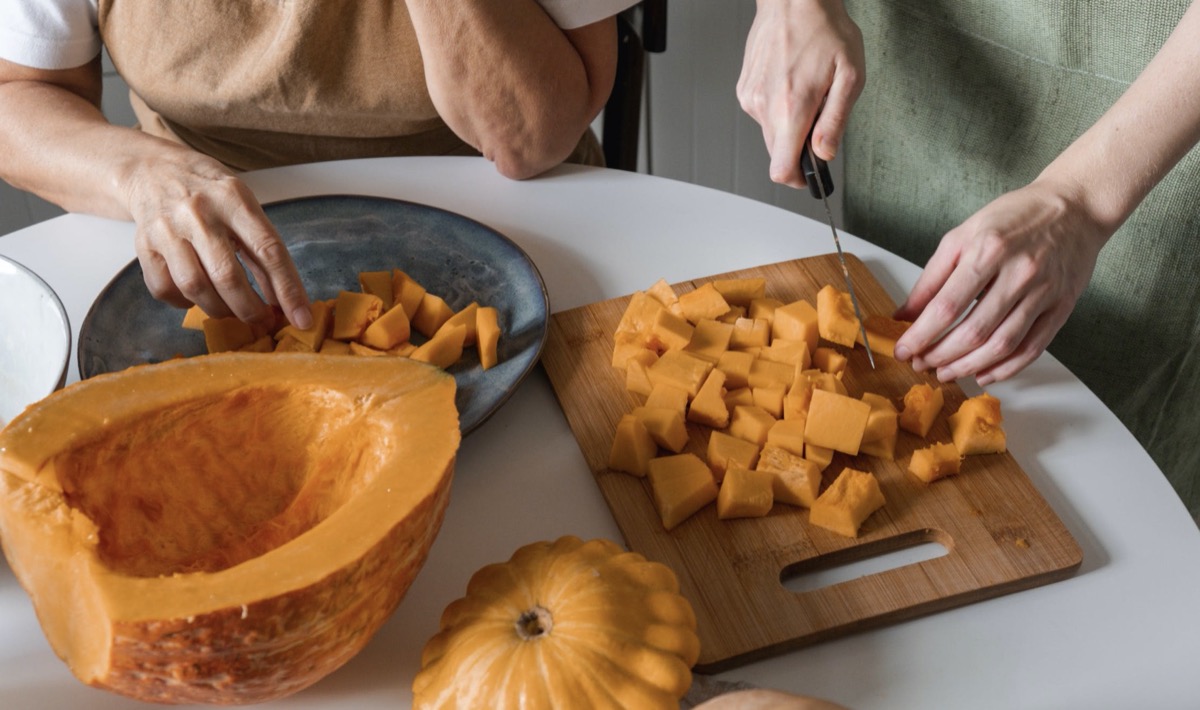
[35, 339]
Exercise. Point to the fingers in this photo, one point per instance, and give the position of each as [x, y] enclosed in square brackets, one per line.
[274, 269]
[847, 84]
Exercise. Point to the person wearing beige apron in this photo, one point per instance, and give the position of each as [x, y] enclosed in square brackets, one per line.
[1037, 156]
[221, 86]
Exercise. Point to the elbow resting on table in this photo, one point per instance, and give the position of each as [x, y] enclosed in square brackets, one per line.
[524, 159]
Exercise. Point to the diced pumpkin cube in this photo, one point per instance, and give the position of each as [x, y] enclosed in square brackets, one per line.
[764, 373]
[335, 347]
[682, 369]
[976, 426]
[769, 398]
[922, 404]
[787, 434]
[736, 366]
[798, 399]
[820, 455]
[836, 421]
[444, 348]
[632, 447]
[405, 349]
[681, 485]
[704, 302]
[708, 406]
[628, 346]
[836, 321]
[225, 334]
[378, 283]
[934, 462]
[314, 335]
[883, 420]
[487, 334]
[710, 340]
[750, 333]
[829, 360]
[387, 331]
[406, 293]
[264, 344]
[670, 332]
[662, 292]
[764, 309]
[789, 352]
[741, 292]
[468, 316]
[637, 374]
[289, 344]
[826, 381]
[796, 321]
[353, 313]
[639, 314]
[743, 396]
[431, 314]
[731, 316]
[751, 423]
[666, 427]
[848, 501]
[667, 396]
[357, 348]
[745, 493]
[883, 332]
[795, 480]
[194, 317]
[725, 451]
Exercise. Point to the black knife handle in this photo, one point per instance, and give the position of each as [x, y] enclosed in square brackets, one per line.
[812, 173]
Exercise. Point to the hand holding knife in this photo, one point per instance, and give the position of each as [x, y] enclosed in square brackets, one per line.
[820, 184]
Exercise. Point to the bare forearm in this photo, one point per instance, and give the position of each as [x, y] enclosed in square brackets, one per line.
[1113, 166]
[509, 81]
[60, 147]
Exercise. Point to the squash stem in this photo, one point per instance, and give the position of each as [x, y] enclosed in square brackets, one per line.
[534, 623]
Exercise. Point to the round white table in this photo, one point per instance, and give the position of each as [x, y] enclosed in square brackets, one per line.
[1123, 632]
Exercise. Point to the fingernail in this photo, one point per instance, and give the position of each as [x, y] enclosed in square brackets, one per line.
[901, 353]
[983, 380]
[829, 147]
[302, 318]
[946, 375]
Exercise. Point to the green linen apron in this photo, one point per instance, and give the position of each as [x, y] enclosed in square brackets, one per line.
[968, 99]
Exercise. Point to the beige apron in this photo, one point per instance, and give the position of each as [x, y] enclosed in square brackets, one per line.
[258, 83]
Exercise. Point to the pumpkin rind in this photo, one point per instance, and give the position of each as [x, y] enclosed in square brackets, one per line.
[619, 634]
[317, 572]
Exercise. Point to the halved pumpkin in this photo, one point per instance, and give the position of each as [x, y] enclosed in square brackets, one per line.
[226, 528]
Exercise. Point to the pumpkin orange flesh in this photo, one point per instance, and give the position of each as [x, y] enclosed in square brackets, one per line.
[225, 528]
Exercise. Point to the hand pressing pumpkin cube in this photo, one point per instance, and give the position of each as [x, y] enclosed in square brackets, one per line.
[975, 427]
[632, 447]
[314, 335]
[848, 501]
[681, 485]
[836, 321]
[934, 462]
[883, 332]
[745, 493]
[922, 404]
[836, 422]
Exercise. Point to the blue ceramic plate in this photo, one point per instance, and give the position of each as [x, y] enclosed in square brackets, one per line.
[332, 238]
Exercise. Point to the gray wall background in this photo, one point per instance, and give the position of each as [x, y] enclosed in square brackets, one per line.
[693, 128]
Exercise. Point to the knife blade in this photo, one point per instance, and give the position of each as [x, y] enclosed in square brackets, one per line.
[820, 184]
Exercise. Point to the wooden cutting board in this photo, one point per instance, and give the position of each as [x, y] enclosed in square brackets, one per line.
[1000, 534]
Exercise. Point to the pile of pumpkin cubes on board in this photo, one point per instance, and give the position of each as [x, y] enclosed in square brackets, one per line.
[765, 377]
[378, 320]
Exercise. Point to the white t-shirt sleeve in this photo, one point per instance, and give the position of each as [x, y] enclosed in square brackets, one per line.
[570, 14]
[49, 34]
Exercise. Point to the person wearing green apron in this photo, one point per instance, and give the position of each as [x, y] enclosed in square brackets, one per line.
[220, 86]
[1037, 156]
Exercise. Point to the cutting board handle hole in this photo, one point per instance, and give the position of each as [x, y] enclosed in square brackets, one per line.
[871, 558]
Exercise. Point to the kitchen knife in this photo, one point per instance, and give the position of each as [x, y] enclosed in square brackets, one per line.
[820, 184]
